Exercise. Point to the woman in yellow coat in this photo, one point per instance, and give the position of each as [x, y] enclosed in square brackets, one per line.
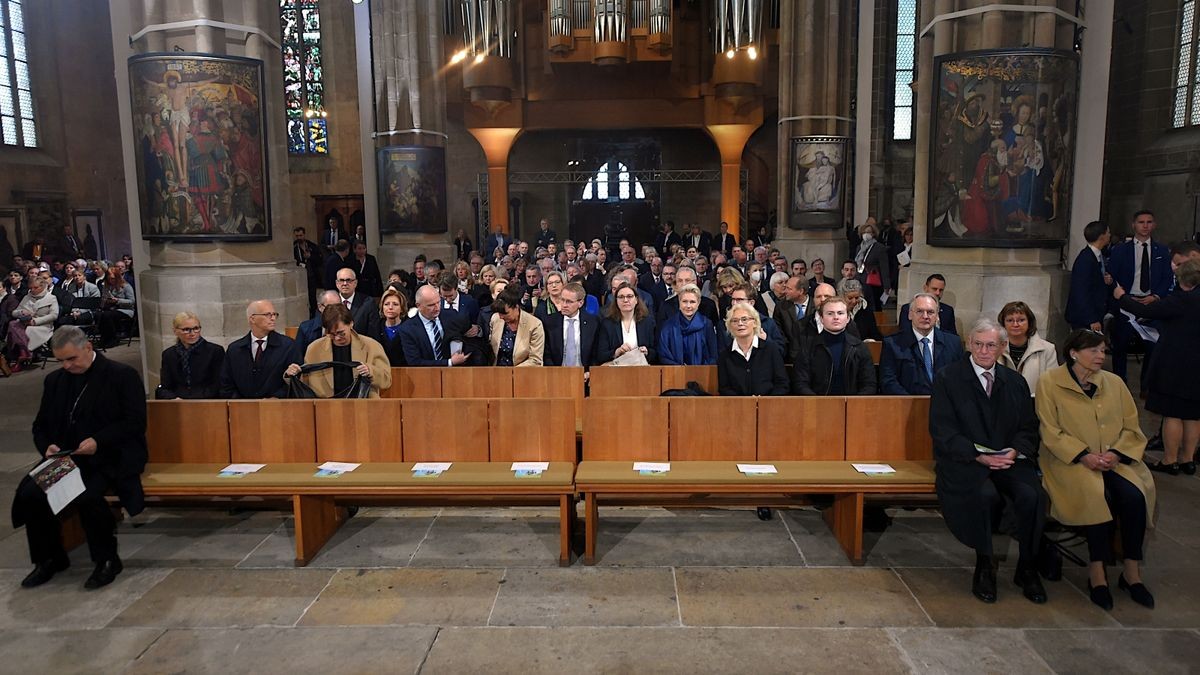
[1092, 461]
[342, 344]
[517, 337]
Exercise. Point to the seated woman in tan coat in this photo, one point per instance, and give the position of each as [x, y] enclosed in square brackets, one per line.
[1026, 352]
[342, 344]
[517, 337]
[1092, 461]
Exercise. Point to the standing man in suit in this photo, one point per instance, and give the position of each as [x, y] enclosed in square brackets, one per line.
[985, 445]
[366, 268]
[546, 236]
[1142, 267]
[96, 409]
[254, 364]
[1091, 283]
[313, 329]
[496, 240]
[724, 242]
[361, 305]
[935, 285]
[791, 311]
[666, 239]
[426, 339]
[334, 232]
[337, 260]
[652, 281]
[911, 359]
[571, 332]
[459, 302]
[701, 241]
[69, 247]
[308, 255]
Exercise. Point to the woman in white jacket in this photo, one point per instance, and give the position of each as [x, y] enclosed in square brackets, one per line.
[1025, 352]
[32, 323]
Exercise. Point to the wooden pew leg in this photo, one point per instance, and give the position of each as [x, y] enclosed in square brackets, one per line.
[317, 518]
[566, 513]
[845, 518]
[589, 528]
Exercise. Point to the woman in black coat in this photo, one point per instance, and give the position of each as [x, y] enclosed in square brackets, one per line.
[191, 368]
[753, 366]
[1174, 367]
[627, 325]
[393, 310]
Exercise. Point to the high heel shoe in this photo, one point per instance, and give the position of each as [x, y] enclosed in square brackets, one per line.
[1161, 467]
[1101, 596]
[1140, 594]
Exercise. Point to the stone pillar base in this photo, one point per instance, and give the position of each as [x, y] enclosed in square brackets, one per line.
[399, 250]
[218, 295]
[977, 290]
[828, 245]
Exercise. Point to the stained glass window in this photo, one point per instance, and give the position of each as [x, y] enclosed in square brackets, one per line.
[17, 125]
[906, 53]
[303, 78]
[1185, 78]
[597, 186]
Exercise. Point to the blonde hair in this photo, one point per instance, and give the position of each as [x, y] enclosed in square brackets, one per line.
[183, 316]
[746, 307]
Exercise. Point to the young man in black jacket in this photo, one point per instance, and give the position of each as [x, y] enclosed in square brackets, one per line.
[833, 363]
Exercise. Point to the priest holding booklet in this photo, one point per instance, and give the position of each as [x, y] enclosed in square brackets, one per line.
[95, 410]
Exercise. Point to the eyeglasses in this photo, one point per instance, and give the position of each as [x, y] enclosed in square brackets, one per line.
[269, 315]
[345, 281]
[626, 296]
[990, 346]
[190, 329]
[740, 320]
[340, 333]
[926, 312]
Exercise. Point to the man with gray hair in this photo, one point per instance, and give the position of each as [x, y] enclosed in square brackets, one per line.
[912, 358]
[254, 363]
[94, 410]
[985, 445]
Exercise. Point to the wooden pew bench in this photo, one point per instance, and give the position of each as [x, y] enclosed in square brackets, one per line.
[811, 441]
[191, 441]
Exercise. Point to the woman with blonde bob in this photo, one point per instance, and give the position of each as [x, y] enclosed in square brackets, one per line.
[191, 368]
[341, 344]
[751, 366]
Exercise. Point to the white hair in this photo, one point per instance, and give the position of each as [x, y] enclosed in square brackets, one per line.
[986, 325]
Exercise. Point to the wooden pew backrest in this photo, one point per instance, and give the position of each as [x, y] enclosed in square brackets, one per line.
[888, 428]
[625, 428]
[358, 430]
[532, 430]
[445, 430]
[705, 428]
[794, 428]
[677, 377]
[610, 381]
[412, 382]
[186, 432]
[550, 382]
[487, 382]
[272, 431]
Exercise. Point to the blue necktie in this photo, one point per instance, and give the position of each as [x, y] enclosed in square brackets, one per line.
[927, 357]
[799, 311]
[437, 340]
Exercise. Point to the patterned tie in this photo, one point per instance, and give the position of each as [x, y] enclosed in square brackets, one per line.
[928, 358]
[261, 348]
[346, 302]
[989, 378]
[571, 350]
[437, 340]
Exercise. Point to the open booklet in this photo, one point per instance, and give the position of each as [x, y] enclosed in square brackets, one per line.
[60, 479]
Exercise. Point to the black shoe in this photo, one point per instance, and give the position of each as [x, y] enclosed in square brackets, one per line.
[764, 512]
[1031, 585]
[1188, 468]
[104, 574]
[1049, 562]
[1169, 469]
[1155, 443]
[1101, 596]
[984, 583]
[43, 572]
[1140, 594]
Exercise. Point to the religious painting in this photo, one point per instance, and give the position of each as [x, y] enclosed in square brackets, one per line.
[819, 181]
[200, 127]
[88, 225]
[1002, 148]
[412, 189]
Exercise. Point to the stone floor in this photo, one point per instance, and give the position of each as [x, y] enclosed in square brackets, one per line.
[461, 590]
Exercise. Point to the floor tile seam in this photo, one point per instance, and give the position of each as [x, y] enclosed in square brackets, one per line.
[259, 544]
[429, 529]
[905, 657]
[496, 597]
[803, 559]
[135, 659]
[1038, 655]
[316, 597]
[428, 650]
[678, 602]
[913, 595]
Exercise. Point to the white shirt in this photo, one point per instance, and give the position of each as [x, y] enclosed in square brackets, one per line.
[920, 337]
[746, 354]
[452, 305]
[980, 371]
[254, 343]
[348, 302]
[629, 334]
[1137, 267]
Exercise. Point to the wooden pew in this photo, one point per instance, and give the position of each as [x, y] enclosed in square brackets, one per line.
[413, 382]
[491, 382]
[272, 430]
[181, 432]
[876, 349]
[551, 382]
[359, 430]
[445, 430]
[710, 428]
[888, 428]
[292, 331]
[609, 381]
[677, 377]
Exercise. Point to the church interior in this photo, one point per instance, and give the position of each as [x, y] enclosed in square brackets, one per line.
[193, 138]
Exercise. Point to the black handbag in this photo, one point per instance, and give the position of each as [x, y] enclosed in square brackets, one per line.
[360, 388]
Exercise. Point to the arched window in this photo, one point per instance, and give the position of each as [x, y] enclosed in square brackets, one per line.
[1187, 70]
[906, 52]
[16, 96]
[597, 186]
[303, 77]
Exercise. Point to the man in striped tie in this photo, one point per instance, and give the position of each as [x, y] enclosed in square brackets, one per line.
[427, 341]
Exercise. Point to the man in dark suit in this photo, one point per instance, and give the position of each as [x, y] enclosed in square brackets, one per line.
[653, 281]
[254, 364]
[1142, 267]
[546, 236]
[702, 241]
[362, 307]
[724, 241]
[666, 238]
[911, 359]
[935, 285]
[426, 338]
[1091, 284]
[339, 259]
[496, 240]
[69, 247]
[571, 332]
[94, 409]
[366, 268]
[333, 233]
[308, 255]
[459, 302]
[311, 330]
[791, 312]
[985, 445]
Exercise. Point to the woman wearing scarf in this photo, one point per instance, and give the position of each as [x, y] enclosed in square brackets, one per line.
[191, 368]
[688, 338]
[874, 271]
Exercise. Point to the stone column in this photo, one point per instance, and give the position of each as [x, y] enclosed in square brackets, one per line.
[217, 279]
[981, 280]
[816, 46]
